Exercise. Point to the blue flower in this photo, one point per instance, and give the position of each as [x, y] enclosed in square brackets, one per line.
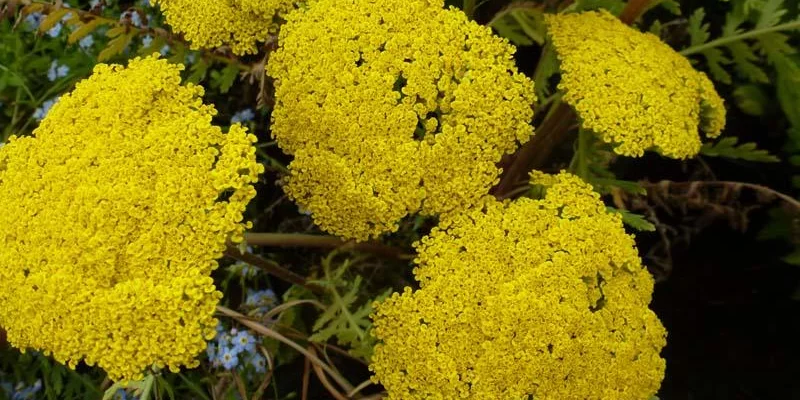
[259, 363]
[57, 71]
[22, 392]
[147, 40]
[244, 342]
[120, 395]
[262, 301]
[55, 30]
[211, 351]
[33, 20]
[229, 359]
[164, 50]
[243, 116]
[243, 269]
[86, 42]
[40, 112]
[136, 19]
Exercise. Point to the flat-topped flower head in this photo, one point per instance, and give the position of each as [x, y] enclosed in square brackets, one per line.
[632, 89]
[114, 213]
[393, 107]
[240, 24]
[544, 298]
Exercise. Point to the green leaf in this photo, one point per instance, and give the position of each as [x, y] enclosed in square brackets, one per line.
[715, 59]
[635, 221]
[698, 31]
[52, 19]
[604, 185]
[778, 226]
[115, 46]
[751, 99]
[84, 30]
[613, 6]
[787, 87]
[793, 258]
[547, 67]
[345, 319]
[223, 80]
[672, 6]
[198, 71]
[744, 57]
[771, 13]
[727, 147]
[522, 23]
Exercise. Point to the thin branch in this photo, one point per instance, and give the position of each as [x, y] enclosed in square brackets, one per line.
[322, 378]
[263, 330]
[536, 152]
[322, 241]
[306, 379]
[360, 387]
[728, 184]
[633, 10]
[273, 268]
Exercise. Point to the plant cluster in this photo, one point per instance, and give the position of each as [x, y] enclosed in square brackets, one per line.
[402, 127]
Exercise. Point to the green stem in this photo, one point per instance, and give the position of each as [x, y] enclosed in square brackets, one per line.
[580, 163]
[272, 268]
[735, 38]
[338, 298]
[535, 153]
[21, 81]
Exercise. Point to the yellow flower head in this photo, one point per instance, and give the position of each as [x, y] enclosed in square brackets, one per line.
[533, 297]
[393, 107]
[114, 213]
[630, 88]
[237, 23]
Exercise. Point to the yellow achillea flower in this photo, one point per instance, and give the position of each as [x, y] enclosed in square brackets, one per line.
[237, 23]
[391, 108]
[632, 89]
[114, 214]
[532, 297]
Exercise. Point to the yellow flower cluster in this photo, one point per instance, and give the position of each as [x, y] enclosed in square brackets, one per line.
[630, 88]
[114, 214]
[393, 107]
[536, 297]
[237, 23]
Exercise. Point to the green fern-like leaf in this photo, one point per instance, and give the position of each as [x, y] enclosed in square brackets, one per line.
[346, 319]
[635, 221]
[748, 50]
[698, 31]
[727, 147]
[520, 22]
[613, 6]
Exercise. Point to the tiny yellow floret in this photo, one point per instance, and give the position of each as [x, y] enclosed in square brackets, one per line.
[114, 213]
[240, 24]
[544, 298]
[393, 107]
[632, 89]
